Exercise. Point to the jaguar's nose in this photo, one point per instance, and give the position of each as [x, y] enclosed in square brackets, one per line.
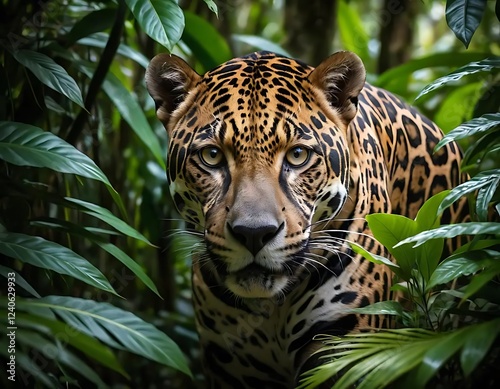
[255, 237]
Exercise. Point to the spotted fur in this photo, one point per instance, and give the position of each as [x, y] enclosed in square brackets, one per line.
[276, 164]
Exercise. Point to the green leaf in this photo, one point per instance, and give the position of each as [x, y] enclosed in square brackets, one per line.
[352, 32]
[459, 265]
[212, 6]
[472, 127]
[130, 110]
[484, 197]
[453, 230]
[381, 308]
[45, 254]
[378, 259]
[477, 345]
[25, 145]
[483, 179]
[260, 43]
[88, 345]
[19, 280]
[463, 17]
[119, 254]
[93, 22]
[101, 39]
[207, 44]
[481, 279]
[106, 216]
[50, 74]
[162, 20]
[115, 326]
[471, 68]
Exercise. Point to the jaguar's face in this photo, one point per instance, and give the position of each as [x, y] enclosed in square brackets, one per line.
[257, 155]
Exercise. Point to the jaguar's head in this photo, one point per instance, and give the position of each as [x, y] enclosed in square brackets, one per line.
[258, 154]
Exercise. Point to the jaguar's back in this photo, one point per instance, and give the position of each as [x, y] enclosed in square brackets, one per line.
[277, 164]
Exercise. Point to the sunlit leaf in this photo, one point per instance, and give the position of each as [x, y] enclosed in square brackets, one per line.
[162, 20]
[260, 43]
[103, 321]
[50, 74]
[381, 308]
[472, 127]
[45, 254]
[471, 68]
[453, 230]
[212, 6]
[458, 265]
[463, 17]
[483, 179]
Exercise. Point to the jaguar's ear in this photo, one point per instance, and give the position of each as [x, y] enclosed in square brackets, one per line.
[169, 79]
[340, 78]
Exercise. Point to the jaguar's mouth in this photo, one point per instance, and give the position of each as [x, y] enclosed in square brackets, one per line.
[256, 281]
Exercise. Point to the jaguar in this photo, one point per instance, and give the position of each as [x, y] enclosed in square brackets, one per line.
[275, 164]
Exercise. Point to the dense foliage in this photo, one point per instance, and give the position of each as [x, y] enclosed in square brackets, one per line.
[102, 284]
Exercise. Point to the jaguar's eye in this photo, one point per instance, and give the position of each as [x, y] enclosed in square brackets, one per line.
[211, 156]
[298, 156]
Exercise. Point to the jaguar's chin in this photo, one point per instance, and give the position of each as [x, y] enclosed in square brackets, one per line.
[256, 281]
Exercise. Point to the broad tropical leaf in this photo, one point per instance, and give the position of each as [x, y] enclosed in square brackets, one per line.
[451, 231]
[472, 127]
[50, 74]
[45, 254]
[381, 308]
[207, 44]
[463, 17]
[115, 327]
[162, 20]
[25, 145]
[485, 65]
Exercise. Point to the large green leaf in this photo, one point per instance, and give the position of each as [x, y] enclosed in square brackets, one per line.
[162, 20]
[478, 342]
[130, 110]
[207, 44]
[25, 145]
[472, 127]
[50, 74]
[93, 22]
[115, 327]
[463, 17]
[80, 231]
[485, 65]
[381, 308]
[49, 255]
[451, 231]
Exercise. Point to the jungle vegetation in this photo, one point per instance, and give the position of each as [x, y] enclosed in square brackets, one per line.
[90, 242]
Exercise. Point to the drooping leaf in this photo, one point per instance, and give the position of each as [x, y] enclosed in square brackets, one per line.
[481, 279]
[212, 6]
[45, 254]
[50, 74]
[119, 254]
[261, 43]
[25, 145]
[106, 216]
[381, 308]
[93, 22]
[107, 322]
[477, 345]
[207, 44]
[19, 280]
[162, 20]
[453, 230]
[472, 127]
[485, 65]
[463, 17]
[130, 110]
[484, 196]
